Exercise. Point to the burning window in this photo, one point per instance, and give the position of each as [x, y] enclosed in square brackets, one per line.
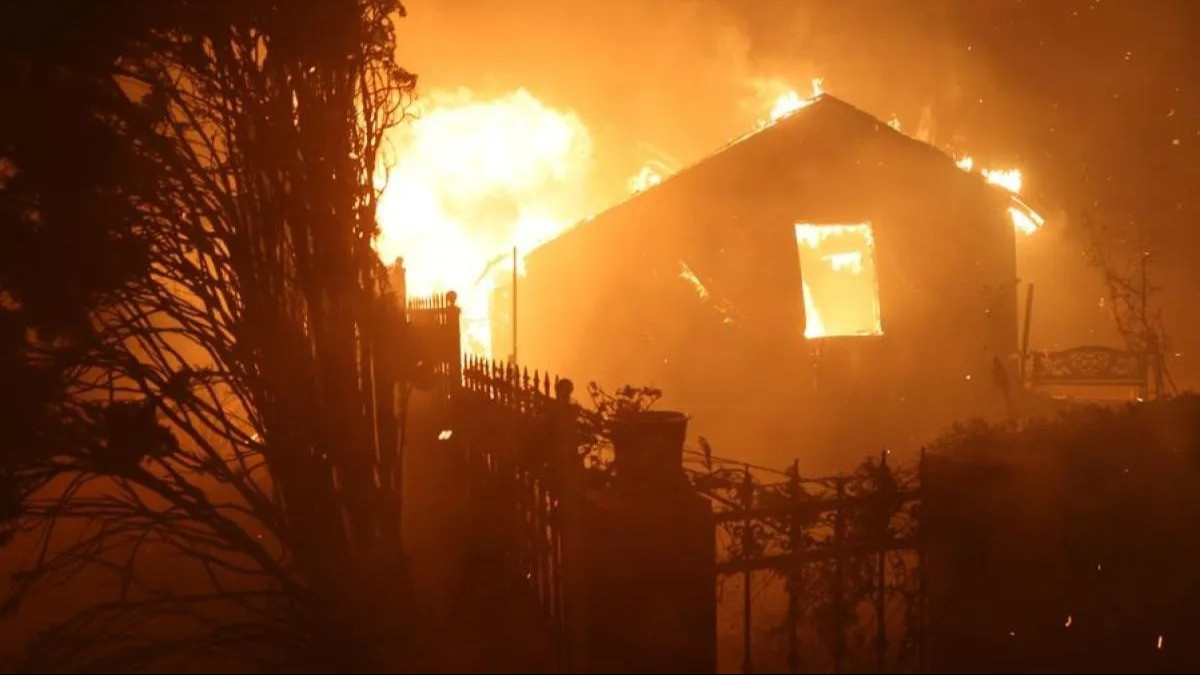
[837, 271]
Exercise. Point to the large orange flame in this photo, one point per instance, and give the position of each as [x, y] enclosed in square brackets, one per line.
[469, 179]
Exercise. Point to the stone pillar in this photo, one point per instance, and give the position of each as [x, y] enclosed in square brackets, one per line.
[651, 557]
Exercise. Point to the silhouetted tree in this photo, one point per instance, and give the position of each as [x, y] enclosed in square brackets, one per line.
[1137, 321]
[190, 296]
[68, 242]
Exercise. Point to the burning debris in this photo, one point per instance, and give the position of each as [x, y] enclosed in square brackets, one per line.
[1024, 218]
[688, 275]
[722, 305]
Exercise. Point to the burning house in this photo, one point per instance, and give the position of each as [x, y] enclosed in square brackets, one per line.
[825, 280]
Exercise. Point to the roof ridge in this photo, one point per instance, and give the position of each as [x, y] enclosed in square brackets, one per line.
[822, 100]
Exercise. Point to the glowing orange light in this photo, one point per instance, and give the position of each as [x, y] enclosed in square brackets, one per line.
[1024, 218]
[645, 179]
[789, 101]
[1009, 179]
[837, 269]
[470, 179]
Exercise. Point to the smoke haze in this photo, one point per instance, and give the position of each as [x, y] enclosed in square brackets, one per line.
[1028, 85]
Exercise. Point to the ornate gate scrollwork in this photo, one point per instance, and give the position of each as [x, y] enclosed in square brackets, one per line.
[1090, 365]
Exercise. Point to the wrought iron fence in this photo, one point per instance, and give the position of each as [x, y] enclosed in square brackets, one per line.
[1093, 366]
[826, 572]
[434, 332]
[812, 573]
[520, 444]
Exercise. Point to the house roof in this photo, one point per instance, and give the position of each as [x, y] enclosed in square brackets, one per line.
[824, 114]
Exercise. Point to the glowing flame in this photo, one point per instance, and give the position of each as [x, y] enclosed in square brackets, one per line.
[849, 260]
[1009, 179]
[1024, 218]
[837, 276]
[1027, 221]
[469, 180]
[786, 103]
[789, 101]
[644, 179]
[813, 326]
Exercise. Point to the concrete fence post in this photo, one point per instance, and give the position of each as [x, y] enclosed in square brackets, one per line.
[651, 555]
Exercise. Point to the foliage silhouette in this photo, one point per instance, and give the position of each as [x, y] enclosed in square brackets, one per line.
[1076, 532]
[189, 310]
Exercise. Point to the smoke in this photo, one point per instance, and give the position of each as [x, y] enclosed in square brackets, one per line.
[678, 79]
[653, 81]
[1034, 86]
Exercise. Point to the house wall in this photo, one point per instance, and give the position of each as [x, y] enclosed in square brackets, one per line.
[607, 302]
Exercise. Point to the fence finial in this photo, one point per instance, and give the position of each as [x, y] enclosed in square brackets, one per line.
[451, 299]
